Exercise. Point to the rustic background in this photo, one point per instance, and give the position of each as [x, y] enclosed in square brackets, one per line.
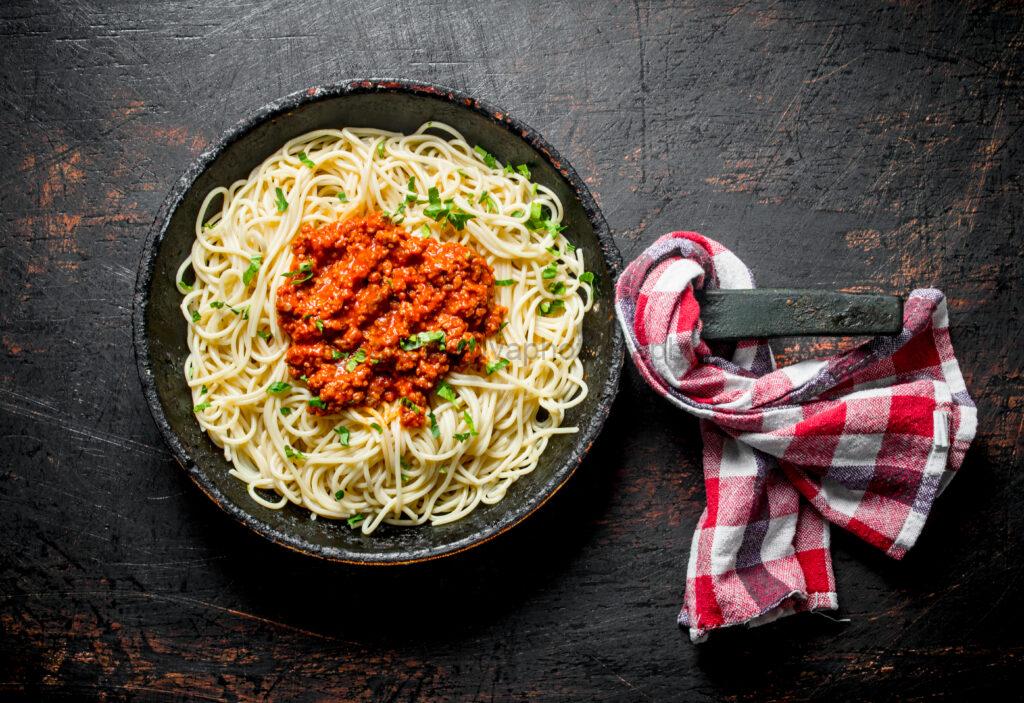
[872, 146]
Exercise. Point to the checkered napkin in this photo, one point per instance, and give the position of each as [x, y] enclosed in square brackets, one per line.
[865, 440]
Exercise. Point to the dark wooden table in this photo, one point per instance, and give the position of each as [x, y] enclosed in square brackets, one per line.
[874, 147]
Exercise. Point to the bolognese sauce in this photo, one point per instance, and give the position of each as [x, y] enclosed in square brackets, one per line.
[378, 315]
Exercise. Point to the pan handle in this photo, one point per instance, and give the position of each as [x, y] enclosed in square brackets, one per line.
[780, 312]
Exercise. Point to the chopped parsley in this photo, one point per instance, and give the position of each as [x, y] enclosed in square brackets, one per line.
[462, 436]
[336, 354]
[463, 343]
[254, 267]
[377, 427]
[488, 202]
[264, 335]
[203, 390]
[380, 148]
[447, 392]
[306, 160]
[316, 402]
[201, 407]
[355, 519]
[280, 200]
[305, 270]
[509, 170]
[421, 339]
[425, 229]
[550, 271]
[286, 411]
[459, 219]
[185, 288]
[469, 422]
[343, 435]
[447, 210]
[486, 157]
[505, 282]
[293, 453]
[342, 197]
[538, 222]
[587, 277]
[412, 196]
[498, 365]
[338, 495]
[557, 288]
[216, 305]
[319, 324]
[196, 317]
[278, 387]
[435, 431]
[411, 405]
[524, 171]
[549, 306]
[208, 226]
[356, 359]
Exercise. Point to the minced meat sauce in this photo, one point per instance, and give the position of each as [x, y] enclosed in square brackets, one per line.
[377, 315]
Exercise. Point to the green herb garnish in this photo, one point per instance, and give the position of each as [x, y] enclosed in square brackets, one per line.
[201, 407]
[412, 196]
[185, 288]
[505, 282]
[278, 387]
[469, 422]
[264, 335]
[254, 267]
[550, 271]
[411, 405]
[488, 202]
[319, 324]
[203, 390]
[216, 305]
[587, 277]
[459, 219]
[524, 171]
[305, 270]
[342, 197]
[280, 200]
[293, 453]
[343, 435]
[493, 366]
[434, 429]
[380, 148]
[306, 160]
[377, 427]
[422, 339]
[557, 288]
[286, 411]
[196, 317]
[356, 359]
[486, 157]
[338, 495]
[447, 392]
[549, 306]
[316, 402]
[355, 519]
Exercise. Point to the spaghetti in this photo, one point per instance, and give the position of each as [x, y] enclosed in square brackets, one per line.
[488, 423]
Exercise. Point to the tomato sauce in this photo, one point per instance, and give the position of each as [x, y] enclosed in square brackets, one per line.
[377, 315]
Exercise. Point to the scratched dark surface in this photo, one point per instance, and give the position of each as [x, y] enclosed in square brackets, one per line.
[873, 147]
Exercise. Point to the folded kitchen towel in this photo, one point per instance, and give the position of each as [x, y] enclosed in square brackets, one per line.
[865, 440]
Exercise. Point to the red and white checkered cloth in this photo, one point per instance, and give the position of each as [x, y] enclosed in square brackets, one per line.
[865, 440]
